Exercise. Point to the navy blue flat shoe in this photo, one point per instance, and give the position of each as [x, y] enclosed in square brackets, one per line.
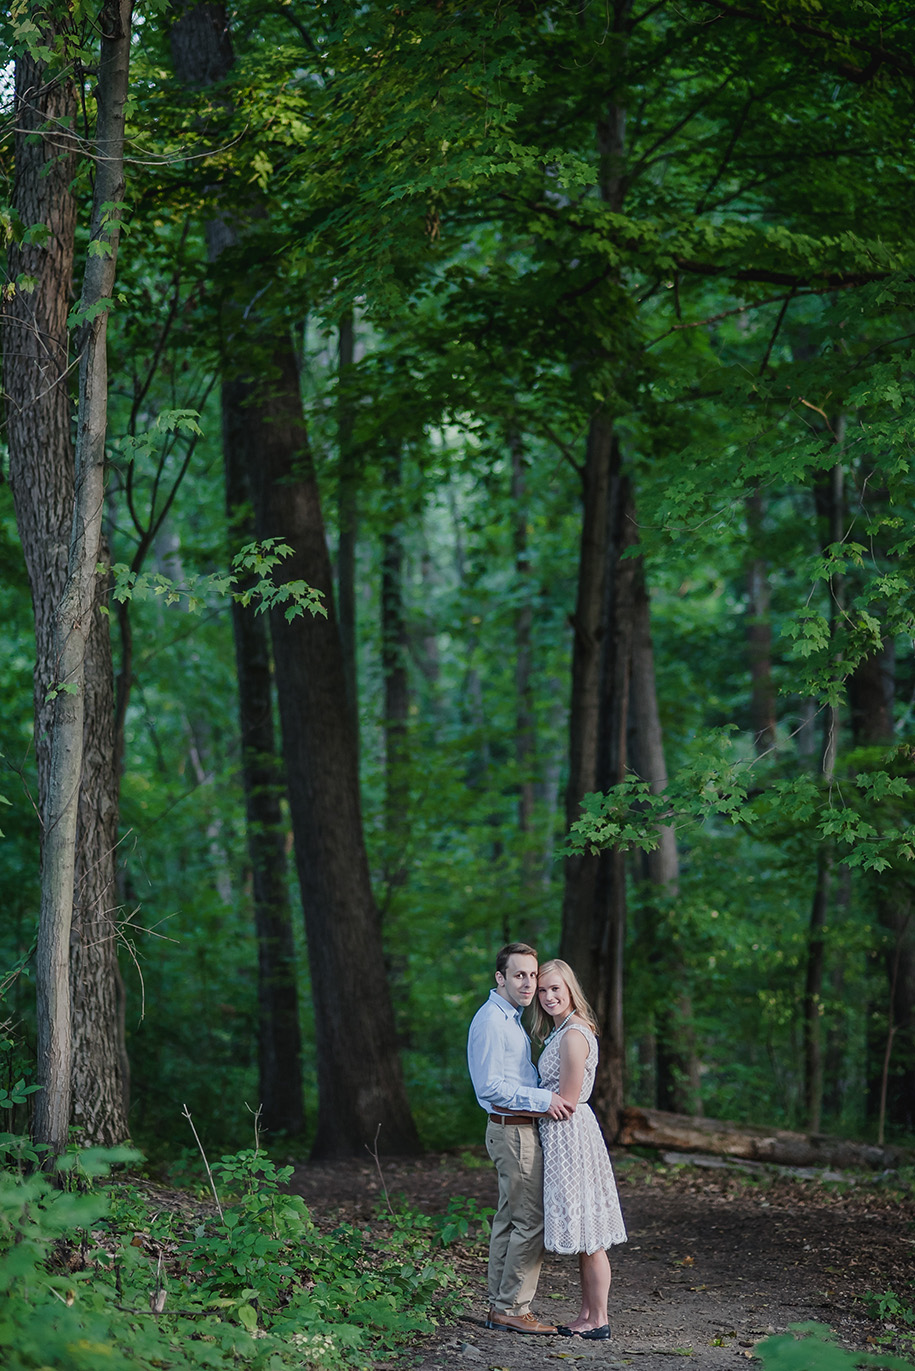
[566, 1332]
[597, 1334]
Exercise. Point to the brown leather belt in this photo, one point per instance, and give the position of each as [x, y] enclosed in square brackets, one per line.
[513, 1118]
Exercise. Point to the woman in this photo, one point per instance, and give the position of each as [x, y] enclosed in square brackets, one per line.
[581, 1208]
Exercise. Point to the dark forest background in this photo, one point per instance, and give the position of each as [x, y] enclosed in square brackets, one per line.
[566, 352]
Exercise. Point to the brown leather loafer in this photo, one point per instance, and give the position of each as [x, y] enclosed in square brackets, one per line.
[518, 1323]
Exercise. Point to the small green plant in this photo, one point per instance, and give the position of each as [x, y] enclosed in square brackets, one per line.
[464, 1218]
[470, 1161]
[15, 1069]
[897, 1316]
[889, 1306]
[812, 1347]
[20, 1152]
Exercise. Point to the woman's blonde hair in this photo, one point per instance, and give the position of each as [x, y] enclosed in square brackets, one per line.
[580, 1005]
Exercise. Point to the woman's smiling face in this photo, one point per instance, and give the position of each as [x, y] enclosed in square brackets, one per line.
[554, 995]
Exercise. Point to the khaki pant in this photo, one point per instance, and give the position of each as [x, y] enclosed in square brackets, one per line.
[516, 1242]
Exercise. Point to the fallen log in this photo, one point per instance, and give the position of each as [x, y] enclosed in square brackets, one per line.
[684, 1133]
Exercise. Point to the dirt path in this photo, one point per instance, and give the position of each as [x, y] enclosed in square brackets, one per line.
[716, 1260]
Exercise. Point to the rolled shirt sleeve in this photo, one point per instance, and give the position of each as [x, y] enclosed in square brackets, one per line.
[499, 1059]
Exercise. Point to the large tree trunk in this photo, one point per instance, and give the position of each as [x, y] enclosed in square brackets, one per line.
[278, 1030]
[594, 901]
[600, 479]
[594, 909]
[891, 1047]
[347, 512]
[99, 1058]
[101, 1069]
[525, 737]
[80, 991]
[35, 358]
[813, 988]
[831, 505]
[62, 1062]
[202, 52]
[394, 645]
[360, 1085]
[677, 1063]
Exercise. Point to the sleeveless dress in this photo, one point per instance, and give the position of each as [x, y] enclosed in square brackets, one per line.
[581, 1209]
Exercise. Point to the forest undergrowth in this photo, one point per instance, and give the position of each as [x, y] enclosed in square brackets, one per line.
[99, 1267]
[378, 1263]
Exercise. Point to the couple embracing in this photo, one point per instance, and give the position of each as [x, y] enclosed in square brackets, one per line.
[556, 1186]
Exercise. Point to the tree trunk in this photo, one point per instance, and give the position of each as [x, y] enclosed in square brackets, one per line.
[891, 1084]
[78, 688]
[525, 745]
[348, 514]
[594, 909]
[835, 1065]
[813, 989]
[677, 1069]
[831, 504]
[759, 632]
[396, 690]
[871, 693]
[897, 1060]
[202, 53]
[594, 900]
[36, 360]
[278, 1030]
[101, 1069]
[360, 1086]
[616, 686]
[600, 476]
[35, 357]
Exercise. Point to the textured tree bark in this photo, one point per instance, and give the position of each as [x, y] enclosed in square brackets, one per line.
[601, 472]
[594, 898]
[360, 1084]
[35, 370]
[101, 1069]
[99, 1058]
[594, 909]
[525, 735]
[348, 513]
[610, 910]
[394, 647]
[63, 1064]
[677, 1063]
[80, 978]
[278, 1029]
[203, 55]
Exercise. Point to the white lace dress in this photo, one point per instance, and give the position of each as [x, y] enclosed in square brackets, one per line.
[581, 1209]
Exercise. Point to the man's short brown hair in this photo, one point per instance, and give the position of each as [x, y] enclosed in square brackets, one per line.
[512, 950]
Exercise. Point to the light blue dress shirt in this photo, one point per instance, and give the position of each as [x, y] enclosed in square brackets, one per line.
[499, 1057]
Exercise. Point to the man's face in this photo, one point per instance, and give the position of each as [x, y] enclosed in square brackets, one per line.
[519, 984]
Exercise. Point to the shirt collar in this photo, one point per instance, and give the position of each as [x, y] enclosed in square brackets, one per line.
[511, 1011]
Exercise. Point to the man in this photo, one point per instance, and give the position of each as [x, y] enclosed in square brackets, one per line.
[507, 1088]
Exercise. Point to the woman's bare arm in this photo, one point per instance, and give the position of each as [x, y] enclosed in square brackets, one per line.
[573, 1053]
